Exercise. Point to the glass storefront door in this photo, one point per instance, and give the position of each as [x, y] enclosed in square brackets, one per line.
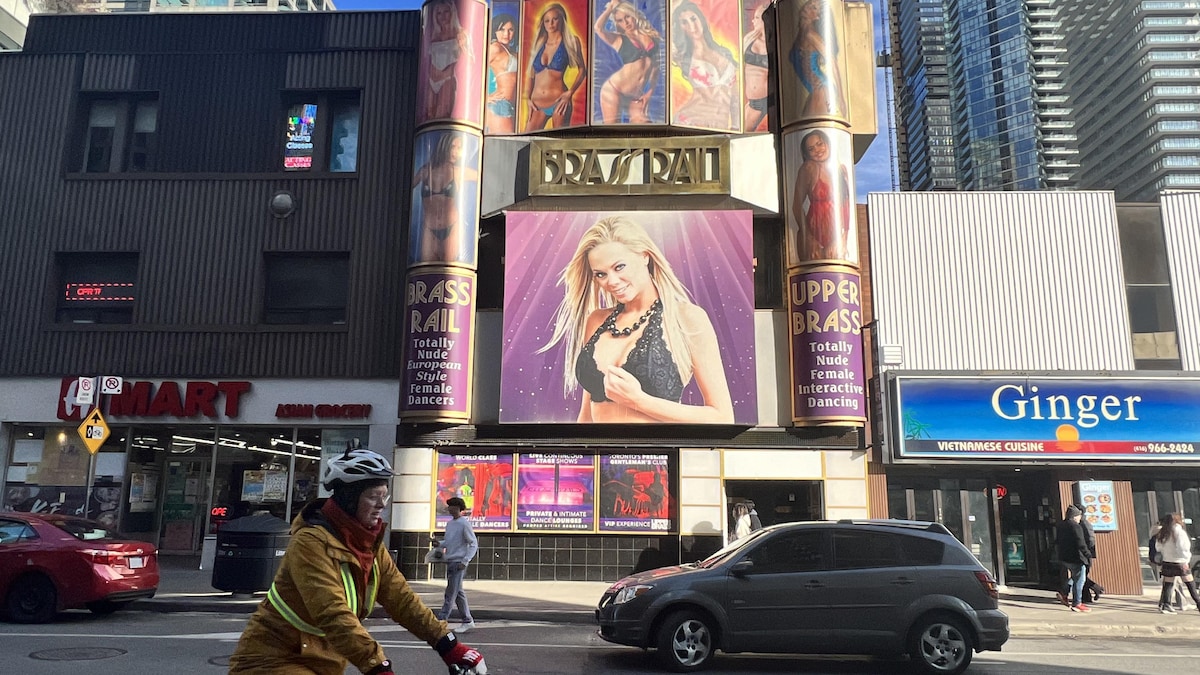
[963, 506]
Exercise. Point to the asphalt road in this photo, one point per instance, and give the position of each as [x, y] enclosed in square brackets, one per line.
[186, 643]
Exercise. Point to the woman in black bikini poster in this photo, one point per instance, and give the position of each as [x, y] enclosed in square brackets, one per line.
[554, 64]
[629, 317]
[629, 62]
[445, 198]
[755, 66]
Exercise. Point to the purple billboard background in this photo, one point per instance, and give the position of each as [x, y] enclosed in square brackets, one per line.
[439, 322]
[556, 492]
[825, 318]
[710, 251]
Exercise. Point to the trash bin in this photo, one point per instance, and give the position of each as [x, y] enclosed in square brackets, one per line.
[249, 551]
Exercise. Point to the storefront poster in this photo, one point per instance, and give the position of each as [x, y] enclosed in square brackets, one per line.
[62, 499]
[444, 222]
[556, 492]
[143, 492]
[699, 263]
[1098, 501]
[818, 194]
[556, 78]
[635, 493]
[629, 64]
[1014, 551]
[503, 64]
[484, 482]
[452, 49]
[706, 64]
[438, 350]
[812, 64]
[1055, 418]
[756, 54]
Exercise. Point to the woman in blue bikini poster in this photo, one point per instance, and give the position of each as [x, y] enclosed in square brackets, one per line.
[445, 198]
[555, 66]
[629, 72]
[651, 318]
[815, 61]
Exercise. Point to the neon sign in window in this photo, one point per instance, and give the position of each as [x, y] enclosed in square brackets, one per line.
[302, 125]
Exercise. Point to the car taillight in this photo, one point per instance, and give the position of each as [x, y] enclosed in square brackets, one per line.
[103, 557]
[989, 584]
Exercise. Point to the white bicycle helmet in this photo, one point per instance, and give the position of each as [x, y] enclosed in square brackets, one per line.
[355, 465]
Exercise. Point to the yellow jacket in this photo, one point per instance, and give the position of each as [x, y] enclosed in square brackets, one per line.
[312, 583]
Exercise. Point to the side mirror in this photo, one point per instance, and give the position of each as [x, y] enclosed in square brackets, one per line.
[742, 567]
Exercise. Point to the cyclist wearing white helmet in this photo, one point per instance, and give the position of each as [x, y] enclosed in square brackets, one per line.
[334, 571]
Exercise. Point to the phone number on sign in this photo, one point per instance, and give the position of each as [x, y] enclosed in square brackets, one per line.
[1167, 448]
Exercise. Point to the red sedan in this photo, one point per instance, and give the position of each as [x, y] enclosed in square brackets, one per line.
[51, 562]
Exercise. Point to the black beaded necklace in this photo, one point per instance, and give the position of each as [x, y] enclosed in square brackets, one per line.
[611, 322]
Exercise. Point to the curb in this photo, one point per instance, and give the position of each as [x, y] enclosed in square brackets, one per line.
[1035, 630]
[248, 605]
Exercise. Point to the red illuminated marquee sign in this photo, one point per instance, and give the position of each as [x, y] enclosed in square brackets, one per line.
[99, 292]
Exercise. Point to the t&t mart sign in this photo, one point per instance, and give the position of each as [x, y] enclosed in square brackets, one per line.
[629, 166]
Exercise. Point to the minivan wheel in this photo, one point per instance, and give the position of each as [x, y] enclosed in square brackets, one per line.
[685, 641]
[940, 645]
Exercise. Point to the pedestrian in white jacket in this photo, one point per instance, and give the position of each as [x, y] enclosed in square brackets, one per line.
[1175, 549]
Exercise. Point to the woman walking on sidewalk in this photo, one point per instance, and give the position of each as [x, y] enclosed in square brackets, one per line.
[335, 569]
[1175, 549]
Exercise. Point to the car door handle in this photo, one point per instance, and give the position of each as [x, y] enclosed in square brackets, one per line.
[813, 583]
[902, 581]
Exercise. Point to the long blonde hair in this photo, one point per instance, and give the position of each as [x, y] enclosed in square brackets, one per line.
[584, 296]
[643, 24]
[574, 57]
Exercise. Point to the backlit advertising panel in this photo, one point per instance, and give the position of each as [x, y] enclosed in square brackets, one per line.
[635, 493]
[484, 482]
[556, 492]
[1051, 418]
[629, 317]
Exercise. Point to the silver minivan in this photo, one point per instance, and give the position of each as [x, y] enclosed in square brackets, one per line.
[877, 587]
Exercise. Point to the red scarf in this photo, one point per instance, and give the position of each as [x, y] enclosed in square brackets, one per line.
[358, 539]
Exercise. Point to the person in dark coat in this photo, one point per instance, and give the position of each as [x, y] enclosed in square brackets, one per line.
[1075, 555]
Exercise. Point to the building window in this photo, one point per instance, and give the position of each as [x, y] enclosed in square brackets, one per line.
[121, 134]
[306, 289]
[96, 287]
[768, 265]
[321, 132]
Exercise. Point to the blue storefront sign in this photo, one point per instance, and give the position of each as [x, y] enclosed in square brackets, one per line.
[1056, 418]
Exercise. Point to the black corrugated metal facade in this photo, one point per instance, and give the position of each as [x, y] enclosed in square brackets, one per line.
[201, 223]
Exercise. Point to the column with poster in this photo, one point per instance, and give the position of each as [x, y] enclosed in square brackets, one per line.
[556, 492]
[443, 227]
[824, 299]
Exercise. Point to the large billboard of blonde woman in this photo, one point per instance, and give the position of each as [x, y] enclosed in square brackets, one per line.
[554, 65]
[629, 317]
[706, 64]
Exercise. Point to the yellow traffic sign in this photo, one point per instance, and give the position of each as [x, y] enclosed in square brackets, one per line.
[94, 431]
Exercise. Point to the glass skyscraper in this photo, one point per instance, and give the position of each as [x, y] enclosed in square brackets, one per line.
[1048, 94]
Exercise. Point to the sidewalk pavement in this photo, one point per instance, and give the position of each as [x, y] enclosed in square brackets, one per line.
[1031, 612]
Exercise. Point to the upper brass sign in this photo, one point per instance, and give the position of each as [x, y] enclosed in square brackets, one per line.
[629, 166]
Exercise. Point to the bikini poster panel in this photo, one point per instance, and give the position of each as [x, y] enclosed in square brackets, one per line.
[812, 67]
[554, 79]
[1052, 418]
[756, 57]
[818, 193]
[706, 64]
[629, 62]
[635, 493]
[556, 492]
[687, 358]
[444, 226]
[485, 483]
[453, 45]
[503, 68]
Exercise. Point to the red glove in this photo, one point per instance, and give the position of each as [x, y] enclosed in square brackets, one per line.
[460, 658]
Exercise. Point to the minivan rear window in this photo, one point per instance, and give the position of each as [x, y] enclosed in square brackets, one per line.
[922, 551]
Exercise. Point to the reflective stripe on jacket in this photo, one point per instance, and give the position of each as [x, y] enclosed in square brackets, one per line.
[311, 620]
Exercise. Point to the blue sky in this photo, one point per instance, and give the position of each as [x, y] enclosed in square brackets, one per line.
[872, 174]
